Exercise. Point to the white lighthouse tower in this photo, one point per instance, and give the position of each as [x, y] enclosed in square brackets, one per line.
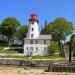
[33, 28]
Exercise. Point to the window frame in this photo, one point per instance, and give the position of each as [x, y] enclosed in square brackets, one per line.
[36, 48]
[26, 48]
[44, 41]
[31, 41]
[45, 48]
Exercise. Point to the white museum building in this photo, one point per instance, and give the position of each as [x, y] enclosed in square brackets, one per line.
[34, 42]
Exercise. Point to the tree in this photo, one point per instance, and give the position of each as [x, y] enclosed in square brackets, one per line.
[8, 27]
[72, 48]
[45, 30]
[21, 32]
[72, 39]
[59, 29]
[53, 48]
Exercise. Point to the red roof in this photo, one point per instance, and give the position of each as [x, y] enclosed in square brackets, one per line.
[33, 17]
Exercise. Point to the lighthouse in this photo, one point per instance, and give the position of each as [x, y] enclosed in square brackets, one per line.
[35, 43]
[33, 28]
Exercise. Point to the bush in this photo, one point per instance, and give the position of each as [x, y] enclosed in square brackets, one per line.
[53, 48]
[16, 45]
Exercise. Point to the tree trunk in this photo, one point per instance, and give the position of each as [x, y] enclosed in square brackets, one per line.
[59, 44]
[10, 41]
[69, 53]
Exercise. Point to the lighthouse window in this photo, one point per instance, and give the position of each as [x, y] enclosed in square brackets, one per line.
[32, 29]
[31, 35]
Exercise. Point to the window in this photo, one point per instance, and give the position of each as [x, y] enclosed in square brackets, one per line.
[26, 48]
[36, 48]
[32, 29]
[44, 41]
[31, 41]
[31, 35]
[36, 41]
[44, 48]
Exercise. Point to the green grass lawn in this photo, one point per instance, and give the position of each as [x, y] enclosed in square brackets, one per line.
[14, 56]
[11, 52]
[33, 57]
[8, 51]
[47, 57]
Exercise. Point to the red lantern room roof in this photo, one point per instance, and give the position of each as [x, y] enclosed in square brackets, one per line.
[33, 18]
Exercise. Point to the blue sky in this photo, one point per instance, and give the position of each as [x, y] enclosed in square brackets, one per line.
[45, 9]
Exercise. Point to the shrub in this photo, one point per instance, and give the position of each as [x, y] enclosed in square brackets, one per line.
[53, 48]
